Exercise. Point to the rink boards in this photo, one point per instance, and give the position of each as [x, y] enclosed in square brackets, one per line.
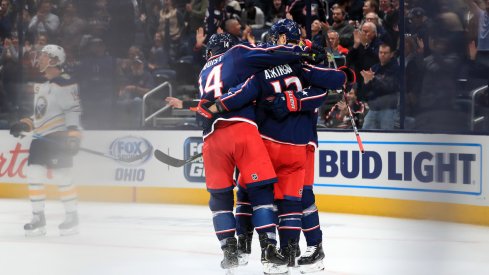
[421, 176]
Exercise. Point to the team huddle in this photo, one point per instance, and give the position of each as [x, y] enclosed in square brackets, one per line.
[258, 112]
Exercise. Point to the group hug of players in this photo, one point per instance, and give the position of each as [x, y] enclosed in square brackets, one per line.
[258, 109]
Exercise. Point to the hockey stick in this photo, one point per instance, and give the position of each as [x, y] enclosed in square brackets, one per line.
[350, 113]
[159, 155]
[93, 152]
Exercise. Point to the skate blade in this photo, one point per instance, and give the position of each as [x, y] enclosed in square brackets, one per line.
[38, 232]
[230, 271]
[69, 232]
[311, 268]
[270, 268]
[243, 259]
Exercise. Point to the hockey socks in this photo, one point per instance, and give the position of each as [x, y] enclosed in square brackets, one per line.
[221, 205]
[289, 216]
[264, 217]
[310, 219]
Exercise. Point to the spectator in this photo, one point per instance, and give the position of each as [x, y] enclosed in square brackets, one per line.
[382, 91]
[341, 26]
[482, 19]
[277, 12]
[233, 27]
[297, 9]
[253, 16]
[437, 108]
[365, 51]
[418, 25]
[218, 18]
[72, 28]
[195, 11]
[10, 74]
[334, 41]
[97, 74]
[370, 6]
[6, 19]
[133, 88]
[339, 117]
[44, 21]
[172, 19]
[381, 31]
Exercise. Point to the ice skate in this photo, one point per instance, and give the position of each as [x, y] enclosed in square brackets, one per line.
[230, 261]
[292, 253]
[244, 247]
[312, 260]
[273, 262]
[70, 225]
[37, 226]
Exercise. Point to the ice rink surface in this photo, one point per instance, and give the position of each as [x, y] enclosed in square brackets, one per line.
[175, 239]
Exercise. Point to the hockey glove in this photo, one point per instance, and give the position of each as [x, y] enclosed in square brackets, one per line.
[72, 141]
[351, 77]
[281, 105]
[24, 125]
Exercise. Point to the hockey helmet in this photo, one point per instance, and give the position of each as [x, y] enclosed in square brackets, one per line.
[55, 51]
[285, 26]
[219, 43]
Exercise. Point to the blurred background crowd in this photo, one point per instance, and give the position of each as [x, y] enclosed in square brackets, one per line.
[421, 65]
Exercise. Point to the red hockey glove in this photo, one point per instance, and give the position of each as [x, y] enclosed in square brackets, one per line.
[203, 108]
[351, 77]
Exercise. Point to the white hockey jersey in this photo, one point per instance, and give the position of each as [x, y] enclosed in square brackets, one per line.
[56, 105]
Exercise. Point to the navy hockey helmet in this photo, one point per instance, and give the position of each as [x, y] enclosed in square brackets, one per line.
[219, 43]
[285, 26]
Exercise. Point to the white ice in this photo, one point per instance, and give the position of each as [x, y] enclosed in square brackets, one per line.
[176, 239]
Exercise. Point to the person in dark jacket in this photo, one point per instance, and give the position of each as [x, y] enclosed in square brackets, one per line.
[382, 91]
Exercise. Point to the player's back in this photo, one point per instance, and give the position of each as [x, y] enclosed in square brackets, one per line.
[295, 128]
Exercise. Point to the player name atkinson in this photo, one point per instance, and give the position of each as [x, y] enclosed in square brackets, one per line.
[278, 71]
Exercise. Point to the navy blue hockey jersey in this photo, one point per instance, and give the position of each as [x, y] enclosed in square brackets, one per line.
[222, 72]
[310, 84]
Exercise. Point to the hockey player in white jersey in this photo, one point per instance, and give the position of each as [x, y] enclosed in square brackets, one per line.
[55, 124]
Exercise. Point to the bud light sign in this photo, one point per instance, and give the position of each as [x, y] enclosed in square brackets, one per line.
[410, 166]
[194, 171]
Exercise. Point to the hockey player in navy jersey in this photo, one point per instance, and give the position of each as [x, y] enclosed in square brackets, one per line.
[282, 90]
[232, 140]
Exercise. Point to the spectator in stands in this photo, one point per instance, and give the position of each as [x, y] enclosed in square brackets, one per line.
[341, 26]
[45, 21]
[381, 31]
[317, 33]
[437, 108]
[121, 21]
[253, 16]
[413, 57]
[233, 27]
[97, 75]
[171, 26]
[6, 19]
[418, 24]
[216, 21]
[10, 71]
[339, 117]
[133, 88]
[72, 27]
[195, 11]
[370, 6]
[334, 40]
[365, 51]
[276, 12]
[481, 16]
[297, 9]
[382, 91]
[158, 57]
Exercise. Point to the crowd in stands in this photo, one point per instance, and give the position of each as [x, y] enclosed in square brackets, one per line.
[118, 50]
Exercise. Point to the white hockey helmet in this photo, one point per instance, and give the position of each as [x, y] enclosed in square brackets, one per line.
[55, 51]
